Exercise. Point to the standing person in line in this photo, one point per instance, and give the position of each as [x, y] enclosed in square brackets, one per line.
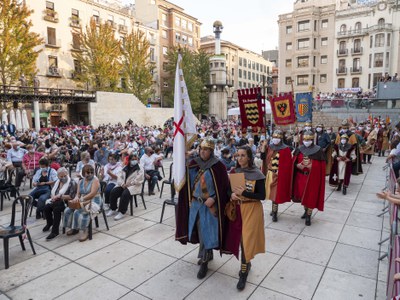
[343, 156]
[309, 176]
[277, 160]
[250, 214]
[200, 213]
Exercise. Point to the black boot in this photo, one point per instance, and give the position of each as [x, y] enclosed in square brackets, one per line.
[308, 217]
[274, 212]
[339, 188]
[243, 276]
[210, 257]
[305, 214]
[203, 270]
[344, 190]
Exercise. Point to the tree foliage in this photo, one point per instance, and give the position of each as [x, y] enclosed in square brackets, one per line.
[17, 44]
[137, 68]
[99, 59]
[195, 66]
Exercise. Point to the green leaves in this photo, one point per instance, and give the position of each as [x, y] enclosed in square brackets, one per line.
[18, 46]
[196, 72]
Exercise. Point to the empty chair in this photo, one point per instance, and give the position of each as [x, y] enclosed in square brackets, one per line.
[167, 181]
[17, 230]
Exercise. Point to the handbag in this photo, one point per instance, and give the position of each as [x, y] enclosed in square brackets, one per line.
[74, 205]
[93, 208]
[230, 210]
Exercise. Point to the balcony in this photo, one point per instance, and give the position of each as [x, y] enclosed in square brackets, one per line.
[342, 52]
[75, 22]
[76, 47]
[50, 15]
[112, 24]
[357, 51]
[341, 71]
[54, 72]
[356, 70]
[122, 28]
[352, 33]
[380, 27]
[53, 43]
[96, 20]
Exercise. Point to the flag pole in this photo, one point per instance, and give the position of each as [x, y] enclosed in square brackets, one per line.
[297, 123]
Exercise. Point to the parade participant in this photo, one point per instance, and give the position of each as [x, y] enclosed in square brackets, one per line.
[369, 148]
[379, 138]
[309, 176]
[250, 210]
[277, 160]
[343, 155]
[385, 139]
[307, 127]
[201, 204]
[323, 140]
[345, 129]
[331, 134]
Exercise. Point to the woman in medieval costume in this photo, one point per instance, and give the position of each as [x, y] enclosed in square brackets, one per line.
[250, 214]
[309, 176]
[343, 155]
[277, 159]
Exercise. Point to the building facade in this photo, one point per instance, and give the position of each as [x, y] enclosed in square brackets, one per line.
[244, 68]
[175, 28]
[367, 44]
[306, 38]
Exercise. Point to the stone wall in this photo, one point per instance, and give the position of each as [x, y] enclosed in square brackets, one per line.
[119, 107]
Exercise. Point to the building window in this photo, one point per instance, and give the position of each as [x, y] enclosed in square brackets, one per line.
[233, 71]
[378, 60]
[302, 61]
[341, 82]
[380, 40]
[371, 41]
[253, 76]
[356, 64]
[355, 82]
[177, 21]
[76, 41]
[289, 29]
[342, 66]
[258, 67]
[164, 34]
[183, 24]
[324, 24]
[51, 36]
[303, 43]
[381, 23]
[240, 61]
[190, 26]
[96, 16]
[288, 63]
[240, 73]
[343, 28]
[342, 47]
[164, 50]
[152, 54]
[244, 62]
[303, 26]
[302, 79]
[322, 78]
[75, 16]
[177, 37]
[324, 41]
[244, 84]
[53, 63]
[387, 60]
[288, 80]
[324, 59]
[357, 46]
[190, 41]
[164, 19]
[357, 27]
[244, 74]
[184, 39]
[50, 5]
[77, 67]
[388, 40]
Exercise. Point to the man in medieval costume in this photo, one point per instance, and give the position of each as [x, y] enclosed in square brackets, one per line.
[201, 204]
[307, 127]
[323, 140]
[309, 176]
[277, 160]
[343, 155]
[385, 138]
[345, 129]
[379, 137]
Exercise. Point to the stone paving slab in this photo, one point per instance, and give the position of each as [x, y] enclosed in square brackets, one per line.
[138, 258]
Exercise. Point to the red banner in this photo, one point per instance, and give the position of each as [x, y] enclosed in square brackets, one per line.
[251, 109]
[283, 109]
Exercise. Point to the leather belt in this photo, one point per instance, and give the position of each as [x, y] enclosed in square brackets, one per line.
[303, 172]
[199, 199]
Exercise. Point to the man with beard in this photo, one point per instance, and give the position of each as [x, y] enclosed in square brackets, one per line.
[201, 204]
[277, 159]
[309, 176]
[343, 155]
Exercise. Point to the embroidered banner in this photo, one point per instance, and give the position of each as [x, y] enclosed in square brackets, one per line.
[251, 109]
[283, 109]
[304, 107]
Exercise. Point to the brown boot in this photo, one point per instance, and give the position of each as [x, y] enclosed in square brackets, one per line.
[84, 236]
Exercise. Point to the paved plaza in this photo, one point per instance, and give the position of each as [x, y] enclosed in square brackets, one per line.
[138, 258]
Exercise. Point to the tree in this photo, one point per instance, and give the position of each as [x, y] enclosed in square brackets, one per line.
[195, 66]
[17, 44]
[98, 63]
[137, 68]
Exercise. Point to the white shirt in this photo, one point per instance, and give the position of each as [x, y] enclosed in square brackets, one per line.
[147, 162]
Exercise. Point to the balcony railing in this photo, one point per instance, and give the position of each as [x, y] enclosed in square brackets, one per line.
[122, 28]
[342, 52]
[53, 43]
[112, 24]
[75, 22]
[356, 70]
[76, 47]
[50, 15]
[341, 71]
[96, 19]
[54, 72]
[357, 51]
[380, 27]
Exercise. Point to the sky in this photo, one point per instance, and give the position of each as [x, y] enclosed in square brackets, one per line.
[251, 24]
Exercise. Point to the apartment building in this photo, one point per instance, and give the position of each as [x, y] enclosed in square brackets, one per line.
[175, 29]
[367, 43]
[244, 68]
[306, 46]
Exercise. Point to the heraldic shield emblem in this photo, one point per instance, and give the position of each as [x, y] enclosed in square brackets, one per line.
[251, 110]
[302, 109]
[283, 108]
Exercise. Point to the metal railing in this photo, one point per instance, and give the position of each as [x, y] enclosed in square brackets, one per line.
[357, 51]
[356, 70]
[368, 104]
